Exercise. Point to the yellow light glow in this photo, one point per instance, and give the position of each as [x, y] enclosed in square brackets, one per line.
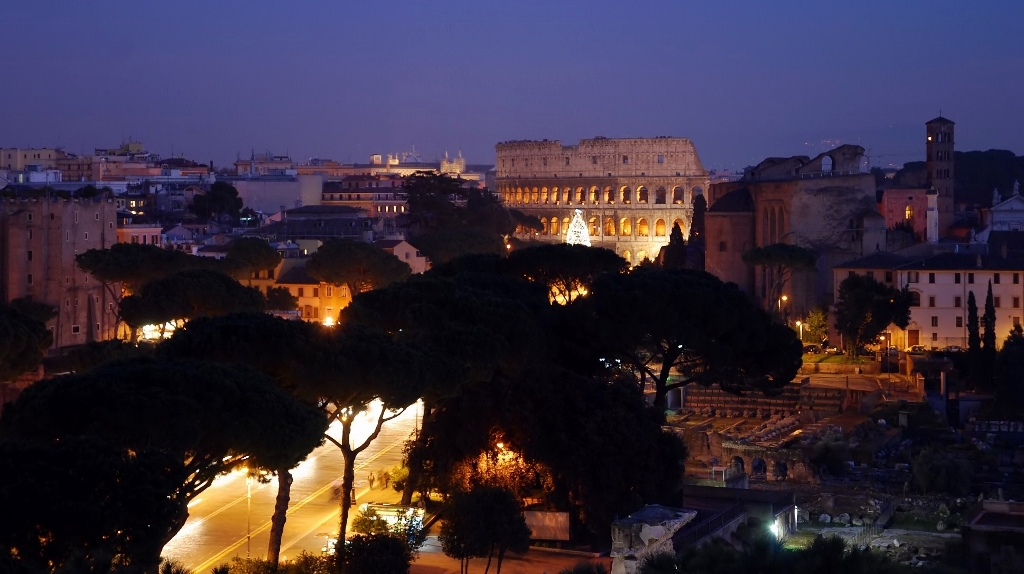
[500, 445]
[328, 321]
[784, 298]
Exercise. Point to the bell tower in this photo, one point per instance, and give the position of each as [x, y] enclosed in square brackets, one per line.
[939, 161]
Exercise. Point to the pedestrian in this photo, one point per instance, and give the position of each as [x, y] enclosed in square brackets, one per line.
[373, 480]
[386, 478]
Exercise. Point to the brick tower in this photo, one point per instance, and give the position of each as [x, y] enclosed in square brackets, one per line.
[940, 169]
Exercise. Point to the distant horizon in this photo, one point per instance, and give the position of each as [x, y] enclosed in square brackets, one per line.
[743, 80]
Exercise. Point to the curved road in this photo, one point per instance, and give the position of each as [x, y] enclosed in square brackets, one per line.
[223, 517]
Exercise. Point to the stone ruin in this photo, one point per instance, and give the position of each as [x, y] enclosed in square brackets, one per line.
[645, 533]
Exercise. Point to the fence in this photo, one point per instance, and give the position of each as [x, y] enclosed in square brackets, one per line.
[690, 535]
[876, 527]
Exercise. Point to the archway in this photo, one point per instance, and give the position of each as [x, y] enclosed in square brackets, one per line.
[544, 195]
[624, 193]
[627, 256]
[593, 227]
[641, 256]
[554, 226]
[608, 195]
[826, 164]
[677, 195]
[659, 196]
[642, 195]
[543, 225]
[535, 196]
[625, 227]
[609, 226]
[594, 191]
[780, 470]
[758, 467]
[737, 464]
[642, 229]
[567, 195]
[555, 196]
[659, 228]
[519, 195]
[565, 225]
[579, 195]
[681, 224]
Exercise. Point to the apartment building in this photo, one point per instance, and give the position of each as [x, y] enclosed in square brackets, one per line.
[940, 285]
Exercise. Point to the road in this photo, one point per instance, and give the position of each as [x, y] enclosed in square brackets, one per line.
[220, 517]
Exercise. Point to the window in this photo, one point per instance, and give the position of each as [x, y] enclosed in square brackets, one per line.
[915, 299]
[87, 235]
[155, 239]
[29, 277]
[30, 255]
[1016, 302]
[956, 301]
[956, 278]
[997, 301]
[931, 300]
[1016, 321]
[912, 277]
[97, 217]
[970, 277]
[75, 329]
[995, 278]
[330, 291]
[593, 159]
[67, 235]
[959, 321]
[625, 159]
[97, 327]
[76, 301]
[935, 336]
[316, 291]
[661, 159]
[76, 217]
[30, 234]
[931, 278]
[110, 225]
[566, 161]
[935, 321]
[30, 216]
[302, 292]
[1016, 278]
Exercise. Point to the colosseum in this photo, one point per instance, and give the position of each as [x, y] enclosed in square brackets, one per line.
[631, 190]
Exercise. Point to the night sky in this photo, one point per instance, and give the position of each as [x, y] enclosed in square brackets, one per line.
[344, 79]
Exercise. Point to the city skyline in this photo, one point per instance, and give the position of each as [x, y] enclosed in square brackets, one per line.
[342, 82]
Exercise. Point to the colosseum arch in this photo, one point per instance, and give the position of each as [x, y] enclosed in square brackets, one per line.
[556, 197]
[641, 256]
[554, 226]
[642, 195]
[565, 225]
[624, 193]
[544, 194]
[677, 196]
[609, 226]
[566, 195]
[659, 196]
[593, 193]
[543, 225]
[579, 195]
[608, 195]
[642, 228]
[627, 256]
[681, 224]
[519, 195]
[626, 227]
[594, 231]
[659, 228]
[535, 196]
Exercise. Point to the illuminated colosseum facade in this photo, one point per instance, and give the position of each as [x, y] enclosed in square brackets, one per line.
[631, 190]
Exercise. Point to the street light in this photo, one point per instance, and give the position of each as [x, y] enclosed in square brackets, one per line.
[888, 375]
[781, 299]
[800, 325]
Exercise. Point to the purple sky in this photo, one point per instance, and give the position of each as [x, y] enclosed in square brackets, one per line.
[343, 79]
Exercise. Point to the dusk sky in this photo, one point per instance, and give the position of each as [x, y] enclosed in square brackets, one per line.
[344, 79]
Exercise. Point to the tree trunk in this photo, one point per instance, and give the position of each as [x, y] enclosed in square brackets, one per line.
[501, 557]
[415, 469]
[490, 554]
[284, 494]
[347, 481]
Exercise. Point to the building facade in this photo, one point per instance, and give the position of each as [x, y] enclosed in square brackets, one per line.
[18, 159]
[631, 191]
[39, 240]
[940, 285]
[939, 162]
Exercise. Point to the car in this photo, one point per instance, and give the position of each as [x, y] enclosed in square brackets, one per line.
[833, 351]
[812, 349]
[953, 349]
[916, 349]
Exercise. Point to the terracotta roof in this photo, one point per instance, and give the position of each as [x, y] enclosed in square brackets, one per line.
[736, 201]
[296, 276]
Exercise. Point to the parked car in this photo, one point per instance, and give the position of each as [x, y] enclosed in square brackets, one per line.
[953, 349]
[812, 349]
[916, 349]
[833, 351]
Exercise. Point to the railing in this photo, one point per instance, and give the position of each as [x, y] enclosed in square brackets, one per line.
[690, 535]
[877, 526]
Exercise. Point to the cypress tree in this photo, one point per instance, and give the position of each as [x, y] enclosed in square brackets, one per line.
[973, 339]
[988, 347]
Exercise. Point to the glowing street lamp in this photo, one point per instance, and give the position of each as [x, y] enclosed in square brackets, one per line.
[800, 325]
[781, 299]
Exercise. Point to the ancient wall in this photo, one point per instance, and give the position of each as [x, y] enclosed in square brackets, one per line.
[631, 191]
